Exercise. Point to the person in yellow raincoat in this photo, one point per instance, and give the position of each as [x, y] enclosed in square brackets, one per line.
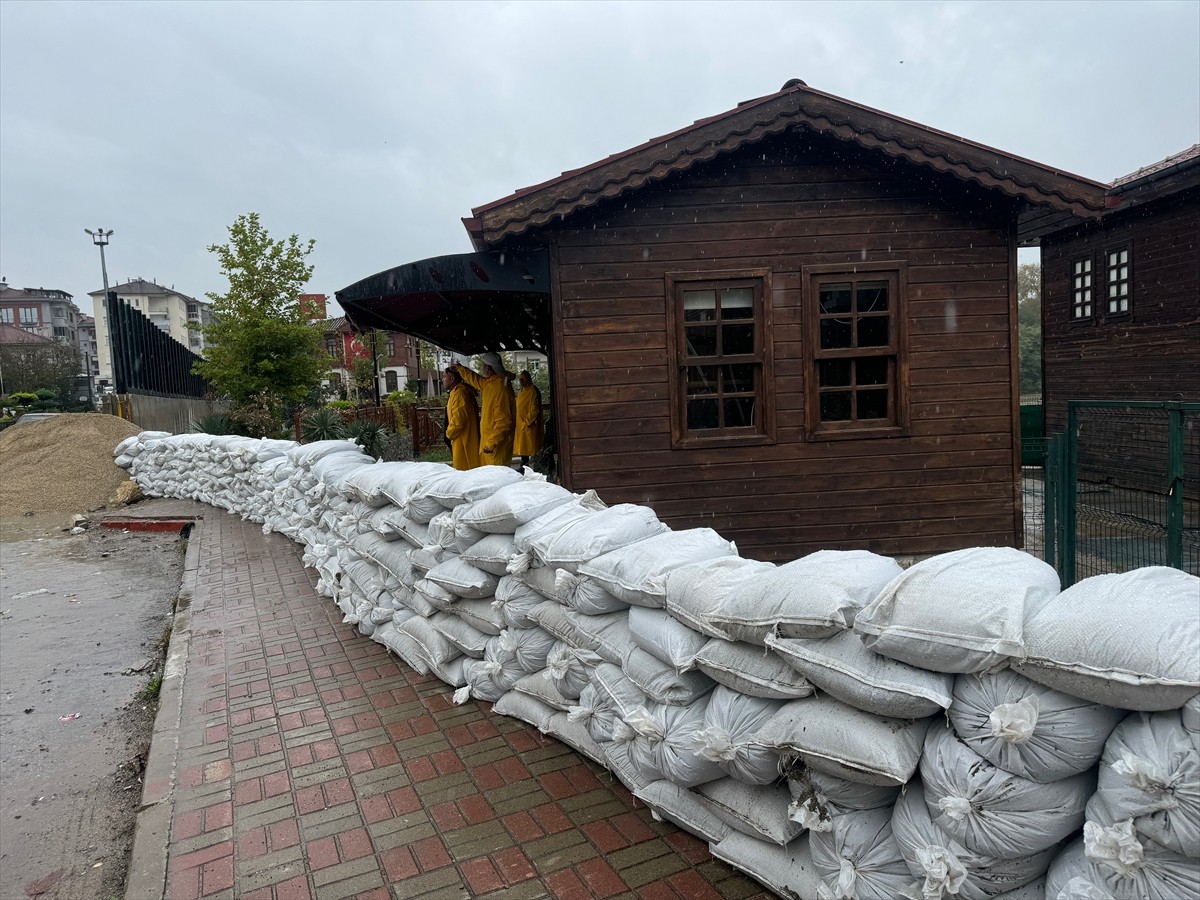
[462, 421]
[531, 427]
[498, 414]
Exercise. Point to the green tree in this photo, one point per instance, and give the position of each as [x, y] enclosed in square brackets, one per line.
[261, 349]
[1029, 326]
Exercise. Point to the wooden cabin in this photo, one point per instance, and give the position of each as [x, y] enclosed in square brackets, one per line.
[792, 322]
[1121, 296]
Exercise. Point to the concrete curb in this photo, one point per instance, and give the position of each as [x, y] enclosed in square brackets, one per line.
[146, 878]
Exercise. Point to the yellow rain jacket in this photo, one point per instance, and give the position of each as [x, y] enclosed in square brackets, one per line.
[497, 418]
[531, 428]
[462, 427]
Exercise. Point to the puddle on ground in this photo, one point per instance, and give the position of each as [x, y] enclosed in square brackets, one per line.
[39, 525]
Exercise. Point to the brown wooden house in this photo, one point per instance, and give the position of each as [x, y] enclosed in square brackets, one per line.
[1121, 296]
[792, 322]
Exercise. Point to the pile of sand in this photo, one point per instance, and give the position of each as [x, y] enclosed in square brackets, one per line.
[61, 465]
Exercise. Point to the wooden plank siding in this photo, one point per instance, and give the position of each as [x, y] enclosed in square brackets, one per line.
[1151, 354]
[783, 205]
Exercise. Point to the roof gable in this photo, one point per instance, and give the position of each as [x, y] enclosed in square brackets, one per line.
[796, 105]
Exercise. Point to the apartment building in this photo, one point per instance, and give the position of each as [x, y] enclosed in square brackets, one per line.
[46, 312]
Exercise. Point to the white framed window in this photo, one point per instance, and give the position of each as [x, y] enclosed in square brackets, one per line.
[1117, 282]
[6, 315]
[29, 315]
[1081, 288]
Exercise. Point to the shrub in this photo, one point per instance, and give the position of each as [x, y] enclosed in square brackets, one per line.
[341, 404]
[369, 435]
[322, 425]
[23, 398]
[215, 423]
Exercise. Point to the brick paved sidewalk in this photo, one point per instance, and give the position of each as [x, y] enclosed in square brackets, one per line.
[311, 764]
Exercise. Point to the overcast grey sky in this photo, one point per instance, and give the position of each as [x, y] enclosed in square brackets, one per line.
[374, 127]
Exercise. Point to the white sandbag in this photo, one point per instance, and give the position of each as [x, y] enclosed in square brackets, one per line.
[607, 635]
[486, 680]
[467, 638]
[993, 812]
[575, 735]
[1190, 715]
[754, 671]
[441, 531]
[1130, 640]
[813, 597]
[481, 615]
[586, 595]
[425, 558]
[545, 525]
[517, 602]
[491, 553]
[434, 595]
[759, 811]
[859, 859]
[636, 574]
[695, 594]
[394, 482]
[462, 579]
[402, 644]
[433, 646]
[661, 742]
[838, 739]
[842, 666]
[1112, 863]
[307, 455]
[729, 720]
[788, 871]
[585, 539]
[525, 708]
[380, 523]
[1029, 729]
[1150, 773]
[546, 582]
[513, 505]
[526, 647]
[465, 537]
[416, 534]
[618, 691]
[366, 485]
[616, 758]
[944, 867]
[818, 798]
[594, 712]
[470, 485]
[666, 638]
[570, 669]
[661, 682]
[419, 505]
[959, 612]
[541, 689]
[685, 808]
[556, 621]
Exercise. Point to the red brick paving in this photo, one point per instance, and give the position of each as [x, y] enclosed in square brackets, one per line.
[314, 765]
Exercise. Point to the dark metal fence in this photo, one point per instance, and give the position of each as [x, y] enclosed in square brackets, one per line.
[147, 360]
[1122, 488]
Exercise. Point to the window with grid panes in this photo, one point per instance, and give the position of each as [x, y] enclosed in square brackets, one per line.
[719, 345]
[1081, 288]
[855, 336]
[29, 315]
[1116, 265]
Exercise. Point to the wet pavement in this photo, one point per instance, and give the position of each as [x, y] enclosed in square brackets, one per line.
[81, 617]
[294, 758]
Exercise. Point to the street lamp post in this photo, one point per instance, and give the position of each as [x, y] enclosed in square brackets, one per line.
[100, 239]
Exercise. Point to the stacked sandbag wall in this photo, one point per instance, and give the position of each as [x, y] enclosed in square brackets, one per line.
[837, 727]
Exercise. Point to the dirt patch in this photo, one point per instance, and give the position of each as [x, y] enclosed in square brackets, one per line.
[61, 465]
[82, 619]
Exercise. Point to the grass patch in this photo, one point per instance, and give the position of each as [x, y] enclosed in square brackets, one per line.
[152, 688]
[435, 454]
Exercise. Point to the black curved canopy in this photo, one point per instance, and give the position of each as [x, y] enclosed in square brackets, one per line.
[466, 302]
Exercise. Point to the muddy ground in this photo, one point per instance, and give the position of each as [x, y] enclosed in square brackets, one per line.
[82, 620]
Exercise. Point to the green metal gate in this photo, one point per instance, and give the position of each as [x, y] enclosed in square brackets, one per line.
[1123, 488]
